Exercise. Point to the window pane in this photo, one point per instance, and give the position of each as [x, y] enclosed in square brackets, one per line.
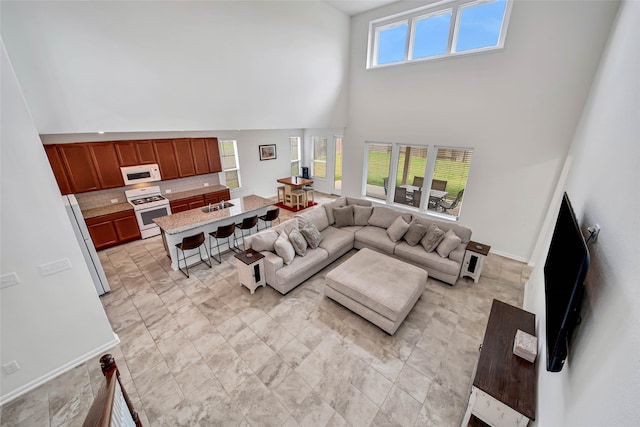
[431, 36]
[295, 168]
[295, 148]
[319, 157]
[230, 166]
[391, 43]
[232, 179]
[451, 173]
[480, 25]
[412, 162]
[378, 164]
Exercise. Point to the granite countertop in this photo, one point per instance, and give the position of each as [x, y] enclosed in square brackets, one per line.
[121, 207]
[194, 218]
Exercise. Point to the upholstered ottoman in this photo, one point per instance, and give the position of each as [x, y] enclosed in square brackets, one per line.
[379, 288]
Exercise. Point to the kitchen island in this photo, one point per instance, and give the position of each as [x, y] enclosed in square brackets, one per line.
[206, 219]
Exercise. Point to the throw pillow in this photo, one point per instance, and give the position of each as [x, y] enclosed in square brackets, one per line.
[284, 249]
[448, 243]
[383, 217]
[316, 216]
[397, 229]
[264, 241]
[337, 203]
[311, 235]
[361, 214]
[343, 216]
[298, 242]
[415, 233]
[432, 237]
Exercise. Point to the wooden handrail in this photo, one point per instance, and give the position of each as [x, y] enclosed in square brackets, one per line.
[100, 413]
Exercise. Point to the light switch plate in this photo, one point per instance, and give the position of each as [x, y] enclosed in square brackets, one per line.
[9, 279]
[167, 191]
[11, 367]
[55, 266]
[206, 184]
[114, 200]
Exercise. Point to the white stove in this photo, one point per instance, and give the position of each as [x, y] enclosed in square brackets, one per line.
[148, 204]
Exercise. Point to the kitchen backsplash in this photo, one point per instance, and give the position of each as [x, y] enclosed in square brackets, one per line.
[97, 199]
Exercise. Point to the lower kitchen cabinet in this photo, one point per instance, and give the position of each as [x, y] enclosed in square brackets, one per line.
[194, 202]
[113, 229]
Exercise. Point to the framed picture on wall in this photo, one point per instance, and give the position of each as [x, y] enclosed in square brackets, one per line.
[268, 152]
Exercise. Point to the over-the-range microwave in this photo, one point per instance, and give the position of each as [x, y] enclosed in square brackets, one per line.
[140, 173]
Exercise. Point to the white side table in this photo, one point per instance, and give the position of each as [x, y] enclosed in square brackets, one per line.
[474, 260]
[250, 266]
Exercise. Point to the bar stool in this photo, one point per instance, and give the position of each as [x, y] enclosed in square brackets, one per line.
[269, 217]
[281, 194]
[223, 232]
[296, 194]
[188, 243]
[246, 224]
[308, 190]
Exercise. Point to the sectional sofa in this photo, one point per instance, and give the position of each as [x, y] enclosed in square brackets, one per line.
[300, 247]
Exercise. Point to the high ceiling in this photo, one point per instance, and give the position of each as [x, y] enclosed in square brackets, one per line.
[354, 7]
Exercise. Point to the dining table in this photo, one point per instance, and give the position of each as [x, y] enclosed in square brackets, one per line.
[293, 183]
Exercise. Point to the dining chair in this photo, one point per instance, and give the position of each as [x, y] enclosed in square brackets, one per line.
[400, 196]
[447, 206]
[437, 184]
[416, 198]
[418, 181]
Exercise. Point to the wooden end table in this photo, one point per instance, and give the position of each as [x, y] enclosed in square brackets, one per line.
[250, 266]
[474, 260]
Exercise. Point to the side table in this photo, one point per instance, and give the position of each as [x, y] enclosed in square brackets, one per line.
[250, 266]
[474, 260]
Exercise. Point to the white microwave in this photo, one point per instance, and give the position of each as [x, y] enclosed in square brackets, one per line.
[140, 173]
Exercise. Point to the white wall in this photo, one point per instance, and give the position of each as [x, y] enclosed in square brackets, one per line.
[517, 107]
[48, 324]
[179, 65]
[600, 382]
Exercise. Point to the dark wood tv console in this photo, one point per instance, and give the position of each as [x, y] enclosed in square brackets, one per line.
[504, 385]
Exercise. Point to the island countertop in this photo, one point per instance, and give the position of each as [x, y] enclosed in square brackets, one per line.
[194, 218]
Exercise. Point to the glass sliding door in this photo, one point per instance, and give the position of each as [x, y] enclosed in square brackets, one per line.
[337, 170]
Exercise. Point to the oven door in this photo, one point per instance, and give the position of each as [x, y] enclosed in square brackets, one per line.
[145, 218]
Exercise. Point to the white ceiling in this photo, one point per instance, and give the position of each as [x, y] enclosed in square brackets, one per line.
[354, 7]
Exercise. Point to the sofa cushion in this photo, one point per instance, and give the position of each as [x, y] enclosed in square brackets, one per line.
[311, 235]
[463, 232]
[432, 238]
[358, 202]
[316, 216]
[449, 242]
[264, 241]
[286, 226]
[397, 229]
[297, 270]
[298, 242]
[284, 248]
[337, 203]
[429, 260]
[343, 216]
[415, 233]
[336, 241]
[375, 238]
[384, 217]
[361, 214]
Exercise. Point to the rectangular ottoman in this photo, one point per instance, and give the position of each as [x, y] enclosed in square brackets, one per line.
[379, 288]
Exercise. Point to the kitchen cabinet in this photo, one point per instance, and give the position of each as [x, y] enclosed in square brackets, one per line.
[213, 155]
[200, 155]
[163, 149]
[113, 229]
[216, 197]
[184, 157]
[133, 153]
[194, 202]
[58, 169]
[106, 163]
[79, 167]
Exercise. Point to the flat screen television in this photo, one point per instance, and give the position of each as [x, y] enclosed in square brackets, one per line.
[564, 273]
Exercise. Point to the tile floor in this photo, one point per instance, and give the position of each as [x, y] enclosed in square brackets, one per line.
[204, 351]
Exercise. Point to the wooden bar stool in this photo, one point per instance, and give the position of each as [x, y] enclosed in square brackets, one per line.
[246, 224]
[189, 243]
[281, 194]
[223, 232]
[308, 190]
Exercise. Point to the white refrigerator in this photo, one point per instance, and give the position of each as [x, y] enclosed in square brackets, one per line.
[86, 244]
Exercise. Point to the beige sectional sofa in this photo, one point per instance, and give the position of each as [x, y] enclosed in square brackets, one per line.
[349, 223]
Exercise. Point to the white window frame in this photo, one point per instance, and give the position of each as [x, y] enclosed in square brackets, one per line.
[237, 159]
[455, 7]
[314, 160]
[298, 158]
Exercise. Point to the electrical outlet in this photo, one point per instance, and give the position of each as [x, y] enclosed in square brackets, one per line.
[114, 200]
[11, 367]
[167, 191]
[9, 279]
[206, 184]
[55, 267]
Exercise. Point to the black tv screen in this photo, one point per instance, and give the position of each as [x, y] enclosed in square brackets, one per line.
[564, 273]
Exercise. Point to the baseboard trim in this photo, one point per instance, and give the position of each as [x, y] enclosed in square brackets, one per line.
[510, 256]
[59, 371]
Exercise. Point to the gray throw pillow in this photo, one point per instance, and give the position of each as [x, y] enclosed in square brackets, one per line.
[397, 229]
[284, 249]
[361, 214]
[337, 203]
[449, 242]
[432, 237]
[343, 216]
[311, 235]
[415, 233]
[264, 241]
[299, 244]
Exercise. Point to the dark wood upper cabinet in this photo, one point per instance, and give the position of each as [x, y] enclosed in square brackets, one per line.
[184, 157]
[213, 155]
[133, 153]
[200, 155]
[145, 152]
[58, 169]
[166, 158]
[79, 166]
[107, 164]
